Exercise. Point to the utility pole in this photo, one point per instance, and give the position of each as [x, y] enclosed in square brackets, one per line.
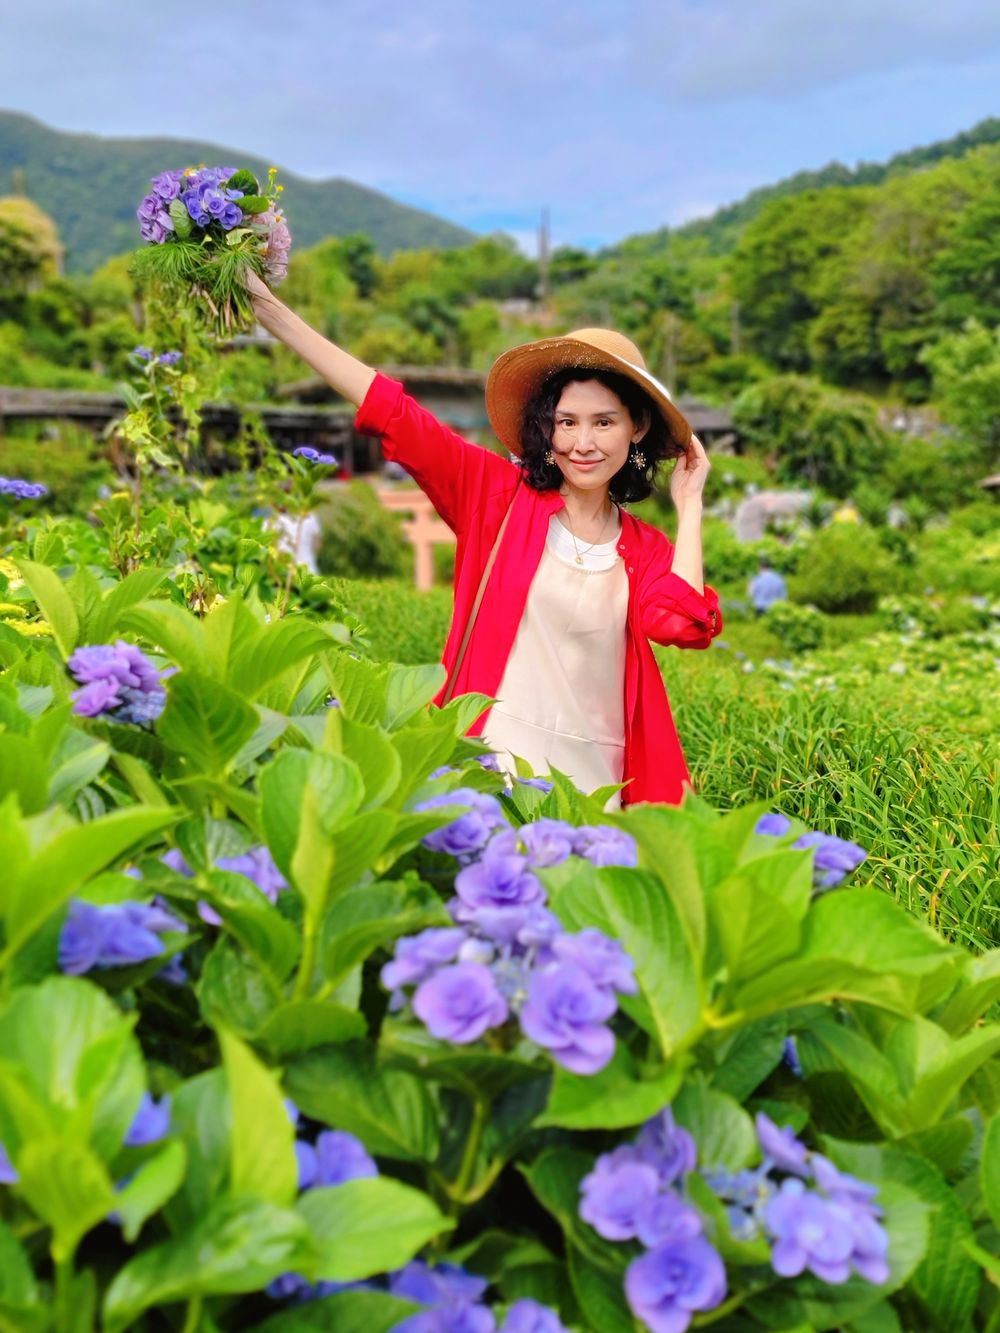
[543, 257]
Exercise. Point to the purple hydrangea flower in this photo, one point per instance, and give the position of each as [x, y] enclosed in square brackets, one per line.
[8, 1176]
[566, 1014]
[667, 1147]
[773, 825]
[335, 1158]
[416, 957]
[781, 1147]
[117, 679]
[838, 1183]
[469, 834]
[614, 1195]
[538, 928]
[666, 1217]
[790, 1055]
[311, 455]
[834, 858]
[809, 1232]
[603, 959]
[175, 973]
[434, 1286]
[603, 845]
[489, 761]
[527, 1316]
[167, 185]
[548, 842]
[22, 490]
[169, 358]
[151, 1122]
[668, 1285]
[496, 891]
[460, 1002]
[117, 935]
[746, 1194]
[142, 353]
[539, 784]
[174, 860]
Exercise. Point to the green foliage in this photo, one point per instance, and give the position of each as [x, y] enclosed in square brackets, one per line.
[800, 628]
[360, 537]
[966, 370]
[846, 570]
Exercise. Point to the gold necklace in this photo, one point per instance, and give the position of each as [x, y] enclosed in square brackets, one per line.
[587, 549]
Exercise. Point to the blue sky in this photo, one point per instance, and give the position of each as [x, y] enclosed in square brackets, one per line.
[619, 116]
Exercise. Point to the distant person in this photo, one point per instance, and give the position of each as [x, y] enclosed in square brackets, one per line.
[299, 535]
[766, 588]
[571, 586]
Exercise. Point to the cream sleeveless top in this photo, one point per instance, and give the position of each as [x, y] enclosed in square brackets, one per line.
[561, 702]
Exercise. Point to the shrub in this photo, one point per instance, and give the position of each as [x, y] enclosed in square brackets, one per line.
[360, 538]
[800, 628]
[846, 569]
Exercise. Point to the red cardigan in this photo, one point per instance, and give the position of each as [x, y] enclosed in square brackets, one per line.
[471, 489]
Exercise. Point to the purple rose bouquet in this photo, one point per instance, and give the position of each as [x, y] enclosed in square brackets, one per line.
[206, 227]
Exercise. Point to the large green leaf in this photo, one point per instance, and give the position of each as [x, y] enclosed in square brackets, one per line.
[200, 1119]
[364, 919]
[67, 860]
[54, 602]
[744, 1058]
[305, 797]
[276, 647]
[77, 760]
[977, 991]
[148, 1190]
[615, 1098]
[600, 1296]
[205, 722]
[720, 1127]
[476, 1072]
[758, 910]
[555, 1178]
[391, 1111]
[364, 1227]
[632, 907]
[376, 757]
[262, 1162]
[408, 689]
[344, 1312]
[69, 1188]
[302, 1025]
[172, 628]
[239, 1245]
[21, 1310]
[131, 590]
[255, 922]
[989, 1169]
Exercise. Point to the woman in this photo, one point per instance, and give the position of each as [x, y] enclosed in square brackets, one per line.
[558, 590]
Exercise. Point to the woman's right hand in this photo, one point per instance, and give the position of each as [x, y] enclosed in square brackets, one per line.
[255, 285]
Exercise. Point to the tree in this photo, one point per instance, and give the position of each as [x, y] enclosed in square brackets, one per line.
[966, 379]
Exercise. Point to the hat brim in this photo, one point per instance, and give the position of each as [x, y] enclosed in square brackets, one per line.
[519, 374]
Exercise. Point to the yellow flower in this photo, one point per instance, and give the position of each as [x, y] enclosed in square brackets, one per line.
[11, 609]
[33, 630]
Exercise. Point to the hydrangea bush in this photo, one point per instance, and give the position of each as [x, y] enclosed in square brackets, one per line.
[309, 1021]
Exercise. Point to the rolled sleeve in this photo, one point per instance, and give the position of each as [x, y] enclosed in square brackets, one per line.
[673, 612]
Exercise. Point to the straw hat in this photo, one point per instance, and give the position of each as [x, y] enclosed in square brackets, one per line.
[518, 375]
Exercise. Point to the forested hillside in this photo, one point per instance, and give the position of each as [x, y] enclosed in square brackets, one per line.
[92, 185]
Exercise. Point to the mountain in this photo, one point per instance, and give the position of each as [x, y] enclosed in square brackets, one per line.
[723, 227]
[92, 186]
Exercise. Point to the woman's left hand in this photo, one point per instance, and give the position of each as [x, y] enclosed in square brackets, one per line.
[687, 481]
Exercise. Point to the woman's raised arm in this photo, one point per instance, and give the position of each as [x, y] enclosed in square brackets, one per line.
[345, 373]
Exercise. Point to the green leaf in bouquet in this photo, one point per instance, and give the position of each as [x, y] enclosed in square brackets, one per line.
[364, 919]
[155, 1181]
[630, 906]
[205, 722]
[616, 1097]
[181, 218]
[66, 860]
[474, 1070]
[303, 1025]
[243, 180]
[238, 1245]
[343, 1312]
[254, 203]
[364, 1227]
[720, 1127]
[54, 602]
[393, 1112]
[73, 1051]
[262, 1163]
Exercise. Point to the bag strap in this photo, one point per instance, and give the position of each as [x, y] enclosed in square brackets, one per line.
[470, 623]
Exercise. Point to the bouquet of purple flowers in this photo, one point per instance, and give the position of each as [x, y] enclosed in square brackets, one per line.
[206, 228]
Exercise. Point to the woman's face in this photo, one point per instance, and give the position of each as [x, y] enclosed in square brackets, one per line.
[591, 433]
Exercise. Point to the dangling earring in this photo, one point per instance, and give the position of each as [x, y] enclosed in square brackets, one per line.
[550, 458]
[638, 459]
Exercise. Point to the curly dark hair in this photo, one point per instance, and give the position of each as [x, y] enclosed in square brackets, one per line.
[629, 483]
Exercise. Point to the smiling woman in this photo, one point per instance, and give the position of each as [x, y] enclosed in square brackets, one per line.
[558, 589]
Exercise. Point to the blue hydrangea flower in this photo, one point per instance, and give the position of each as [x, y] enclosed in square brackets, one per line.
[469, 833]
[667, 1147]
[22, 490]
[615, 1193]
[496, 891]
[116, 935]
[567, 1014]
[118, 680]
[311, 455]
[548, 842]
[8, 1176]
[460, 1002]
[603, 959]
[668, 1285]
[416, 957]
[150, 1123]
[773, 825]
[527, 1316]
[834, 858]
[781, 1148]
[603, 845]
[335, 1158]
